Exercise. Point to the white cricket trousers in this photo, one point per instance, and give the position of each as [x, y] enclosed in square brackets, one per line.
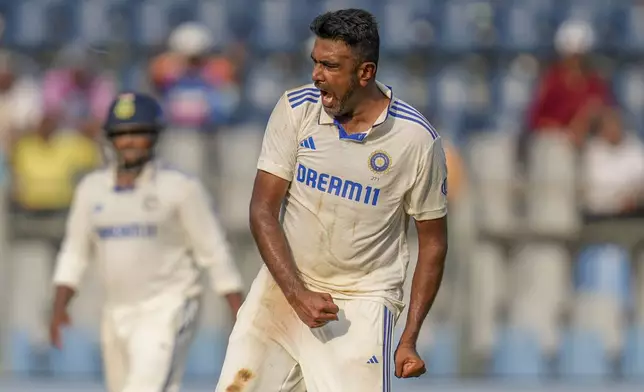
[272, 350]
[145, 347]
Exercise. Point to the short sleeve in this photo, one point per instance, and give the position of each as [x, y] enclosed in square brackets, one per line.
[427, 199]
[279, 148]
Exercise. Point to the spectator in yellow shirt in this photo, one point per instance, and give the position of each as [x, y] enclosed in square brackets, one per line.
[46, 165]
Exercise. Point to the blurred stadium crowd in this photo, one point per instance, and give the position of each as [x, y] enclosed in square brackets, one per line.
[541, 104]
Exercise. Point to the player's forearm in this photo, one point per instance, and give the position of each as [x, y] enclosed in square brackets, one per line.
[63, 296]
[273, 247]
[425, 284]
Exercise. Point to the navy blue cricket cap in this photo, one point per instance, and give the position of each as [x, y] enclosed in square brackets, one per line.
[134, 110]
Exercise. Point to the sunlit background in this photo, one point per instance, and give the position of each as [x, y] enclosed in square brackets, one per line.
[541, 104]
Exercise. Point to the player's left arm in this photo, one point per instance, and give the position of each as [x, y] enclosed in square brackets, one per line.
[427, 203]
[209, 245]
[72, 259]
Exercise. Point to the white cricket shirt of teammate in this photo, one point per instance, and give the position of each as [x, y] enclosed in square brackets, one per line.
[347, 208]
[149, 241]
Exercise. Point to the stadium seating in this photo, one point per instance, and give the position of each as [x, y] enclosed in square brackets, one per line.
[551, 194]
[95, 27]
[406, 26]
[268, 78]
[236, 176]
[513, 88]
[633, 356]
[602, 284]
[638, 289]
[279, 27]
[30, 284]
[134, 77]
[628, 27]
[509, 25]
[60, 22]
[539, 275]
[629, 88]
[518, 354]
[605, 269]
[441, 350]
[80, 356]
[466, 25]
[524, 25]
[450, 93]
[24, 356]
[494, 171]
[487, 289]
[185, 150]
[157, 18]
[582, 356]
[207, 352]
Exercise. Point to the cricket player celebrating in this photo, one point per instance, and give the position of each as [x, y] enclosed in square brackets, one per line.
[352, 163]
[152, 233]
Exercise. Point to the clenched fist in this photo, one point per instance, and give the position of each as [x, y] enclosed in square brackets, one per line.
[315, 309]
[408, 362]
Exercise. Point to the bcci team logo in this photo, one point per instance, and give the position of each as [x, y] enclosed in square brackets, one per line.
[379, 162]
[124, 108]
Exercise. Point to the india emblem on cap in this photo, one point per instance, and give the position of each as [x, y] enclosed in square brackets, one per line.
[125, 107]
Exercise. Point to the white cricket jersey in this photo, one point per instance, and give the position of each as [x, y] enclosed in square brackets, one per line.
[149, 241]
[347, 208]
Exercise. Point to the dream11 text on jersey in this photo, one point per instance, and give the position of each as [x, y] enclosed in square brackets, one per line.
[337, 186]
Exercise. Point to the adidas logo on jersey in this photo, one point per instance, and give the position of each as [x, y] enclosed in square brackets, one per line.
[308, 143]
[373, 360]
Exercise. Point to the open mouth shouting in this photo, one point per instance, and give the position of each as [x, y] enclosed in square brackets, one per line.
[328, 99]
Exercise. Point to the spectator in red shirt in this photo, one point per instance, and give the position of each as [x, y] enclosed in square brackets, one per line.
[571, 96]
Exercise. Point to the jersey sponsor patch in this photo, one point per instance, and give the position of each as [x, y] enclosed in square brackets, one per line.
[337, 186]
[132, 230]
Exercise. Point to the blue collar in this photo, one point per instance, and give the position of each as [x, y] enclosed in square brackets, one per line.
[326, 119]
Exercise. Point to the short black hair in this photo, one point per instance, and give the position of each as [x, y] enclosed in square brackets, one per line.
[355, 27]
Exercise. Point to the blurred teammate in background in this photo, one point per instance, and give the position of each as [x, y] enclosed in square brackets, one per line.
[152, 231]
[351, 163]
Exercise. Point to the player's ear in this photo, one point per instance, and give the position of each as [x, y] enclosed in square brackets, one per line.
[366, 72]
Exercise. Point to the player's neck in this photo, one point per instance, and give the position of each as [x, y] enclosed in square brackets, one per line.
[369, 107]
[126, 178]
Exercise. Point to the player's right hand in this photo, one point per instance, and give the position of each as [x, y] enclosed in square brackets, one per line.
[315, 309]
[58, 321]
[408, 362]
